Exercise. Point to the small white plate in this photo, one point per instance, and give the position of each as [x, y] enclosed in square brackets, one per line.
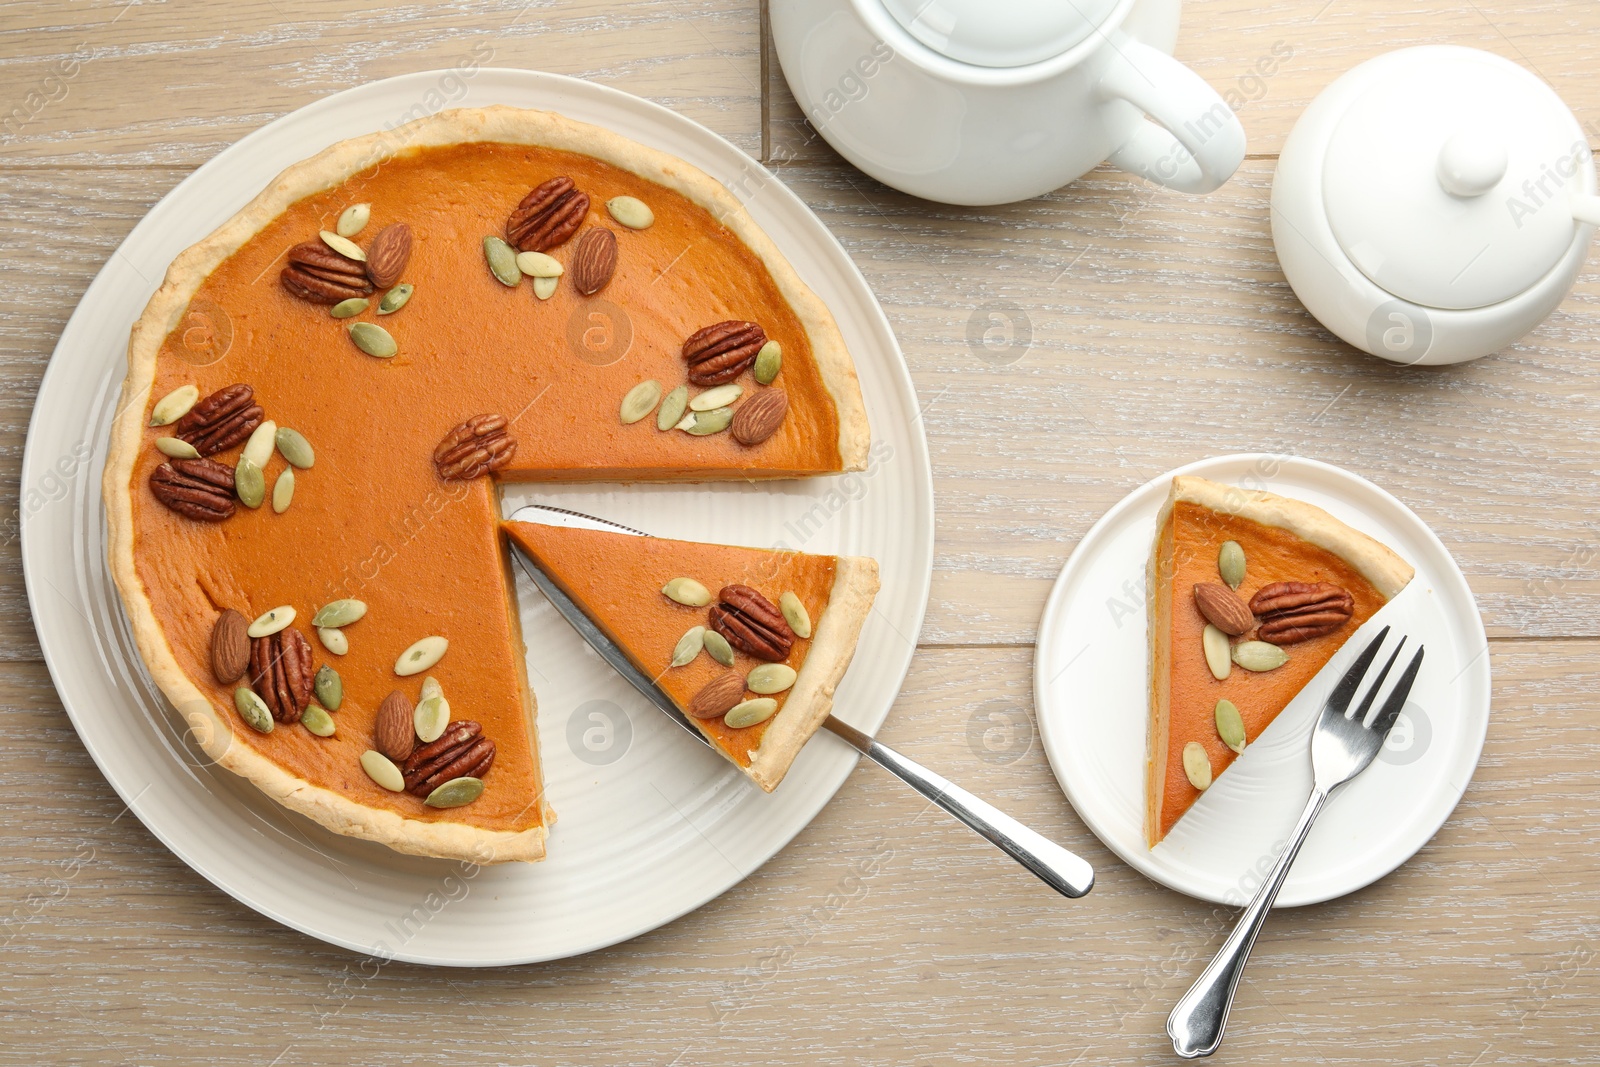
[650, 824]
[1091, 690]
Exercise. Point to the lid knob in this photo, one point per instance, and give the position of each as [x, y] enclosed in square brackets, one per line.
[1470, 164]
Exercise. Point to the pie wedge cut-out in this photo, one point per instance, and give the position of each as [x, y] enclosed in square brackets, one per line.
[619, 580]
[372, 304]
[1308, 583]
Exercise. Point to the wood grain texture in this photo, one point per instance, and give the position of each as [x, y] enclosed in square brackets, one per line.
[1065, 350]
[1481, 950]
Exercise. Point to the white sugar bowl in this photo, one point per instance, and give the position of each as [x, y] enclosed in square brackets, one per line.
[1433, 205]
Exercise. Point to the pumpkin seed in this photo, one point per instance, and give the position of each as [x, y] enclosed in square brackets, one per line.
[1230, 563]
[271, 622]
[688, 592]
[295, 448]
[1230, 725]
[545, 288]
[717, 648]
[640, 401]
[705, 423]
[455, 792]
[1197, 765]
[632, 212]
[252, 709]
[318, 721]
[431, 717]
[249, 484]
[1216, 646]
[672, 408]
[769, 361]
[373, 339]
[430, 688]
[720, 397]
[353, 219]
[381, 769]
[333, 639]
[420, 656]
[337, 613]
[539, 265]
[770, 678]
[283, 491]
[174, 406]
[329, 688]
[349, 309]
[258, 449]
[395, 298]
[1259, 656]
[795, 614]
[750, 712]
[502, 261]
[689, 646]
[343, 245]
[176, 448]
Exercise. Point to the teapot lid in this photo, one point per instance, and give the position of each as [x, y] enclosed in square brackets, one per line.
[1000, 33]
[1452, 180]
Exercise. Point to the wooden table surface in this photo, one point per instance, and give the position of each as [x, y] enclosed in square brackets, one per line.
[1161, 331]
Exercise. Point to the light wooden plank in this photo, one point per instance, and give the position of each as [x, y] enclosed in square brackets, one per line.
[119, 82]
[885, 933]
[1268, 64]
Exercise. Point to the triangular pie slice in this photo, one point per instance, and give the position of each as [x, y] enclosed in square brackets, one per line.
[743, 600]
[1294, 584]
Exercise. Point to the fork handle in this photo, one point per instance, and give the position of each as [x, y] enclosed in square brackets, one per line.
[1196, 1025]
[1063, 871]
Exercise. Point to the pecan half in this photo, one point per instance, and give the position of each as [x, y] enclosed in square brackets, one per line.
[1298, 611]
[388, 255]
[1223, 608]
[199, 489]
[476, 446]
[751, 623]
[460, 752]
[281, 672]
[595, 260]
[317, 273]
[220, 420]
[547, 216]
[721, 352]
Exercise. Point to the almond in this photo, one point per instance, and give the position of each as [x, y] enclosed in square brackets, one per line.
[759, 417]
[230, 646]
[1223, 608]
[595, 261]
[719, 694]
[388, 254]
[395, 733]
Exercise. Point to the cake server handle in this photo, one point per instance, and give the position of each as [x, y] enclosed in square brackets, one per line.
[1061, 870]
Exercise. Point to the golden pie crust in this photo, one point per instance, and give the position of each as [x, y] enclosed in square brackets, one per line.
[147, 546]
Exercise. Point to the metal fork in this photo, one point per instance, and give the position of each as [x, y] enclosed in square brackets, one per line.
[1342, 746]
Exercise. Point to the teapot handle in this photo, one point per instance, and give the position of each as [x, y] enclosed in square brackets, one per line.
[1198, 143]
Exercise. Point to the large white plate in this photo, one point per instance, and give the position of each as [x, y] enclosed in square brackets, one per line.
[650, 824]
[1090, 684]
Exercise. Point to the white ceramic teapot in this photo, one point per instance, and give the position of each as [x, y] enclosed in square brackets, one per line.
[1434, 204]
[991, 101]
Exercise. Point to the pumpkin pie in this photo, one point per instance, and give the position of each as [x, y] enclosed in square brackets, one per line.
[1249, 595]
[750, 643]
[324, 396]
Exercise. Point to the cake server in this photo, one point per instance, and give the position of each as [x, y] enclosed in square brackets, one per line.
[1058, 868]
[1342, 746]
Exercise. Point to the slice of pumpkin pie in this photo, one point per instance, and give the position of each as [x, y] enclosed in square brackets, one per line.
[1250, 594]
[750, 643]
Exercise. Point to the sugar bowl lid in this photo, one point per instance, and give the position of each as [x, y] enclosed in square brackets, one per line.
[1454, 179]
[1000, 33]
